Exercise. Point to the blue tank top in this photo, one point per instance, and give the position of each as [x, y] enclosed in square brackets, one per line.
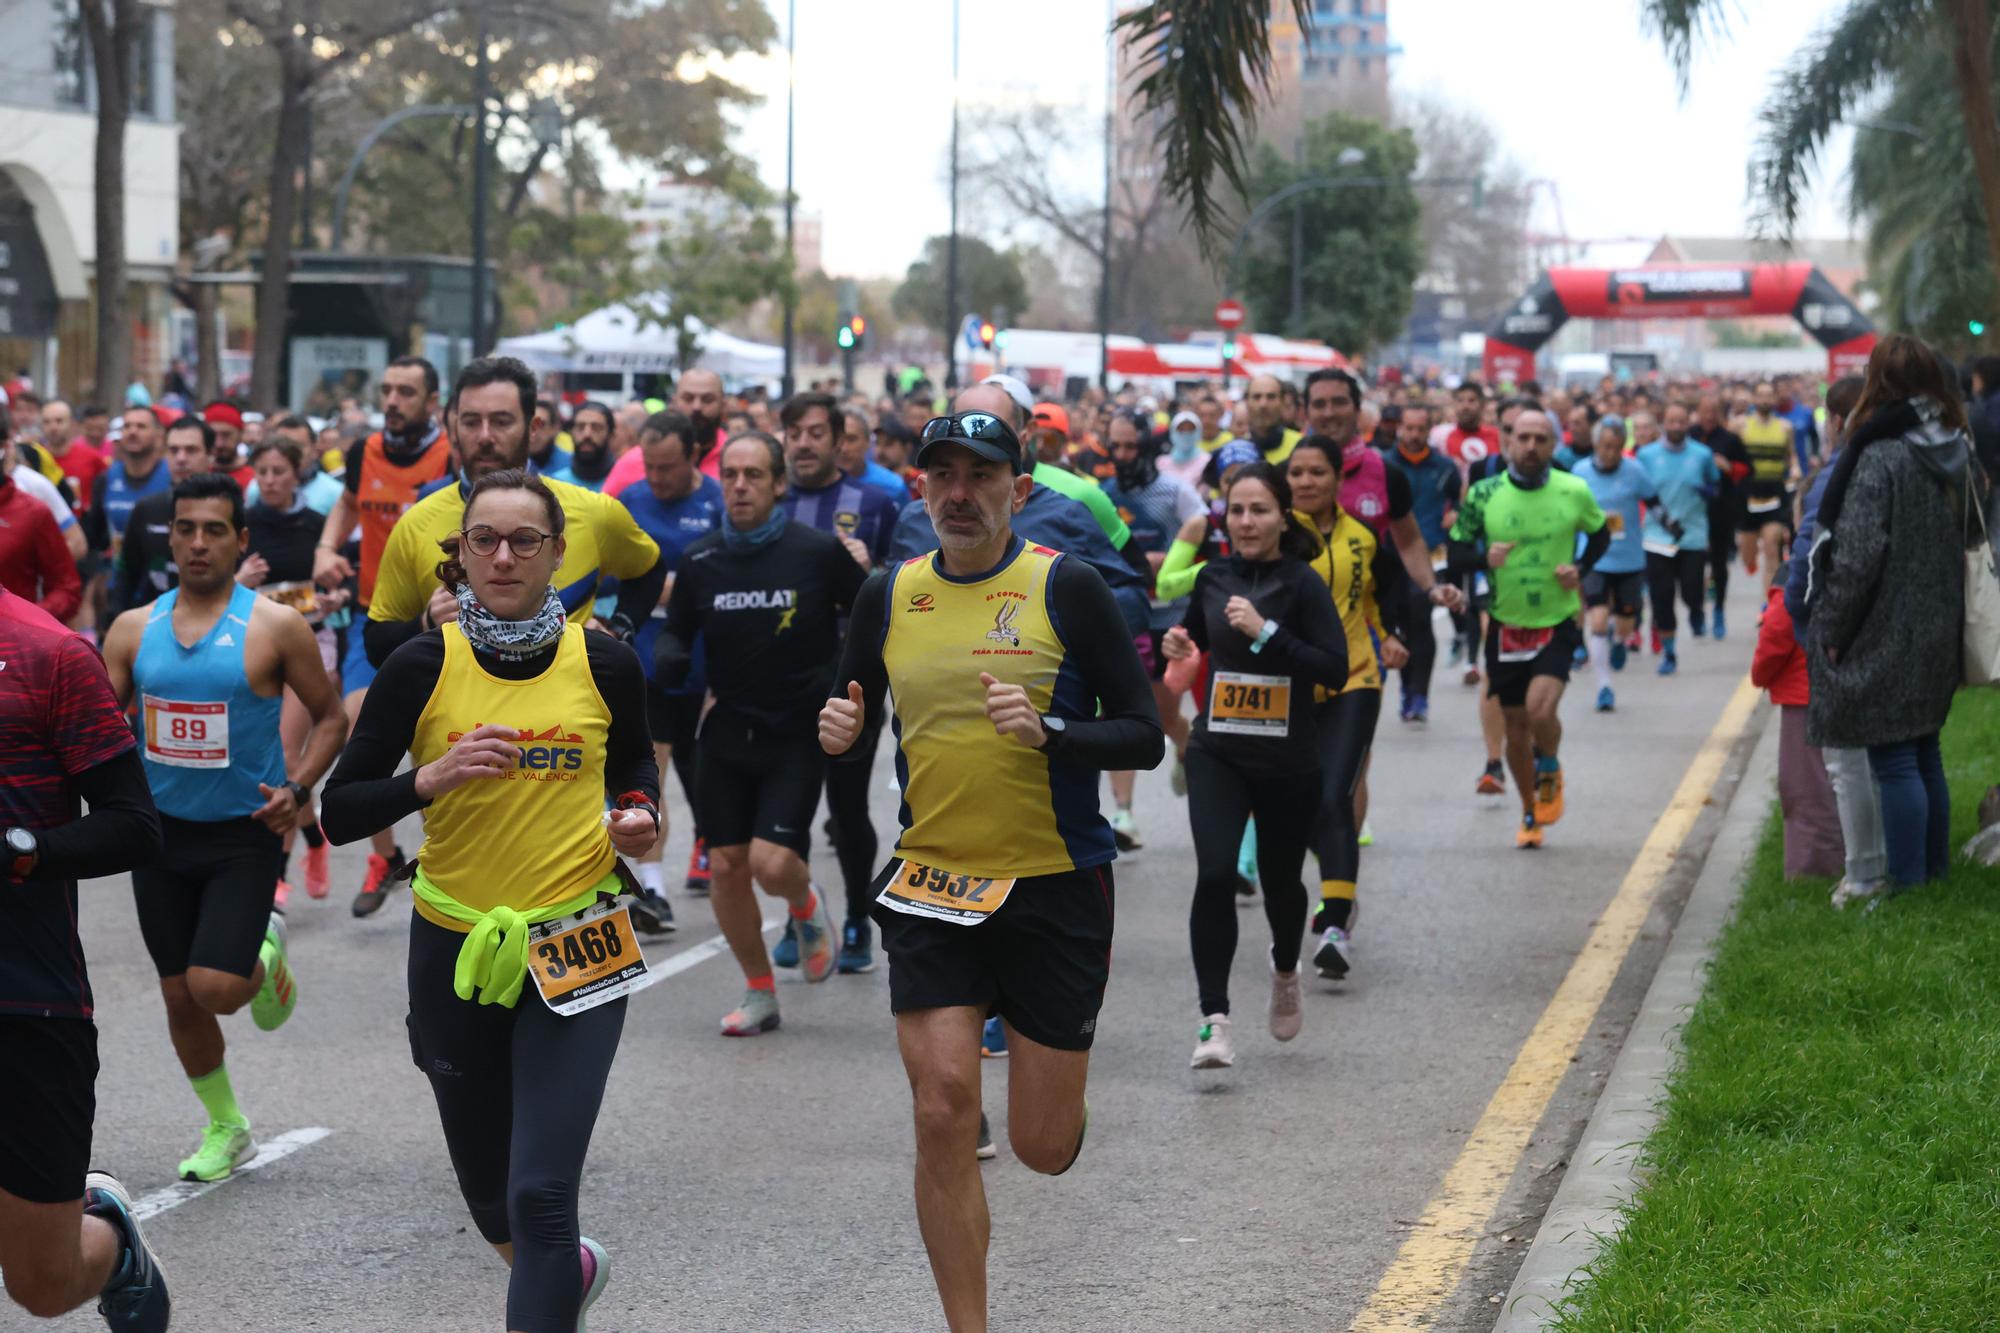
[209, 739]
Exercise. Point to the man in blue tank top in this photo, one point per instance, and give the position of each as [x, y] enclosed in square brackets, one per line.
[207, 666]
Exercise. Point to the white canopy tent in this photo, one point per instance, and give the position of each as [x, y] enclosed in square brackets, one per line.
[619, 340]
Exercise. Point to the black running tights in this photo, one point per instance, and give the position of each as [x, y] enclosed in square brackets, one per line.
[1422, 641]
[1685, 571]
[518, 1092]
[854, 844]
[1220, 799]
[1346, 725]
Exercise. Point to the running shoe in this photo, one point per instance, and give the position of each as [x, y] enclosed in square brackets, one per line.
[1847, 892]
[1580, 655]
[1530, 833]
[1334, 957]
[1696, 627]
[857, 949]
[1178, 778]
[1493, 781]
[1287, 1011]
[1607, 702]
[596, 1264]
[223, 1148]
[697, 877]
[281, 895]
[1419, 706]
[1619, 653]
[652, 914]
[985, 1152]
[756, 1015]
[318, 881]
[274, 1000]
[816, 940]
[1548, 796]
[1669, 665]
[993, 1039]
[1211, 1046]
[1125, 831]
[136, 1296]
[1367, 838]
[1658, 647]
[785, 953]
[375, 887]
[1721, 626]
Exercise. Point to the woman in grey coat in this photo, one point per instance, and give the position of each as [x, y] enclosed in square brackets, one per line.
[1887, 593]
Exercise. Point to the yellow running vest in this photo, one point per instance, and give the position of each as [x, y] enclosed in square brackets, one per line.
[976, 802]
[1345, 561]
[535, 837]
[1769, 445]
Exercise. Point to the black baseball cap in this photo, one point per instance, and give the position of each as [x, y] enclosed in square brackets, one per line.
[982, 432]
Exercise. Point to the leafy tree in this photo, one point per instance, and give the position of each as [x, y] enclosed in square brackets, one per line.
[1474, 243]
[1363, 247]
[989, 281]
[710, 269]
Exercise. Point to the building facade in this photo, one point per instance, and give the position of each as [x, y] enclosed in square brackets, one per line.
[48, 240]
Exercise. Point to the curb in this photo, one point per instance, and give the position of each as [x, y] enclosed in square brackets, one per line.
[1604, 1170]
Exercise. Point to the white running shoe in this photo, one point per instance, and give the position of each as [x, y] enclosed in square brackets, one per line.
[596, 1269]
[757, 1014]
[1125, 831]
[1287, 1012]
[1847, 893]
[1335, 954]
[1211, 1048]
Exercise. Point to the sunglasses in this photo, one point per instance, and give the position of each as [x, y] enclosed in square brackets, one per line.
[525, 543]
[970, 426]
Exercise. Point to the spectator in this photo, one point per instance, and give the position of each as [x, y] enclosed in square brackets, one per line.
[1887, 616]
[1813, 843]
[35, 562]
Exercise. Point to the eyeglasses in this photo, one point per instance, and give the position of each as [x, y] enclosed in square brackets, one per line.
[525, 543]
[970, 426]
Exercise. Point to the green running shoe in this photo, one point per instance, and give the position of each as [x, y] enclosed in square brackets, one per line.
[223, 1149]
[280, 991]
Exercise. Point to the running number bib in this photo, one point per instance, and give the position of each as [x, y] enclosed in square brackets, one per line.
[963, 900]
[186, 735]
[1245, 705]
[1523, 645]
[587, 959]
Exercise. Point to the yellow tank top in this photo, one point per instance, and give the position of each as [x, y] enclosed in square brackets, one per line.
[1346, 561]
[535, 837]
[976, 802]
[1769, 445]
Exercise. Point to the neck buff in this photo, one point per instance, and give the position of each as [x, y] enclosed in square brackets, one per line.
[1514, 475]
[510, 640]
[737, 539]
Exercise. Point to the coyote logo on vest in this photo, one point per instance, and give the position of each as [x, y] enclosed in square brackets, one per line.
[1003, 630]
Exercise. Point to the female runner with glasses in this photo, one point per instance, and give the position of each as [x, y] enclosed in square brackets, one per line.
[520, 957]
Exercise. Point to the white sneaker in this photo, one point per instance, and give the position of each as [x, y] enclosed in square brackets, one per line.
[1335, 954]
[1125, 831]
[1211, 1048]
[1287, 1012]
[1846, 892]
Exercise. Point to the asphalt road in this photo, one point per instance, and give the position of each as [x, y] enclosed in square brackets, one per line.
[765, 1184]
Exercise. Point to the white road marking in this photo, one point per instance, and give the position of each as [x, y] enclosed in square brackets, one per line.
[268, 1152]
[701, 953]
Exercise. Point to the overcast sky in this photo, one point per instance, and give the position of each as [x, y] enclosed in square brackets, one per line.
[1578, 94]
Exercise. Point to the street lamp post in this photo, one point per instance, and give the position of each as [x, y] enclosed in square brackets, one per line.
[481, 186]
[791, 256]
[951, 242]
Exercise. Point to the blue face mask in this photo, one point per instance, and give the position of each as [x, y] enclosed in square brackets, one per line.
[1186, 444]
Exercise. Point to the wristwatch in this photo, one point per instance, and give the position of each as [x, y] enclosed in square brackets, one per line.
[300, 792]
[23, 850]
[1057, 728]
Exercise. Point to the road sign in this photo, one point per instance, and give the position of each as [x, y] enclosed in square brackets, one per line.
[1229, 314]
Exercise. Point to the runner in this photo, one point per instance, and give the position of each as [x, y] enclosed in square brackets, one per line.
[676, 506]
[1366, 582]
[518, 853]
[1733, 461]
[1272, 636]
[699, 398]
[864, 521]
[35, 561]
[207, 665]
[491, 403]
[766, 594]
[857, 458]
[1616, 589]
[1435, 489]
[545, 449]
[1264, 405]
[1676, 541]
[1765, 530]
[144, 567]
[588, 464]
[999, 895]
[384, 474]
[67, 1233]
[1522, 526]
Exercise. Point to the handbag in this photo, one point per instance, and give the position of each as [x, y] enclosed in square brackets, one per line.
[1980, 645]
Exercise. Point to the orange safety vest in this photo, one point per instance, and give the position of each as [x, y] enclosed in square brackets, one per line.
[387, 489]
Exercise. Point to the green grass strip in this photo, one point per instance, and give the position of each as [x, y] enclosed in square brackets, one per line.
[1828, 1155]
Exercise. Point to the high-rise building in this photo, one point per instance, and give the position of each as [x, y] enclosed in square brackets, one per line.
[1339, 63]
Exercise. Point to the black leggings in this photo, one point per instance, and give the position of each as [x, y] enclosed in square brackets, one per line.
[1422, 642]
[683, 719]
[517, 1092]
[1221, 798]
[1721, 549]
[1346, 726]
[854, 844]
[1684, 570]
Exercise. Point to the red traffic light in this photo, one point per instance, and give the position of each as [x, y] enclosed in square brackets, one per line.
[859, 325]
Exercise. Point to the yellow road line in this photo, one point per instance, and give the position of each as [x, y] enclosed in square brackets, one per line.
[1430, 1263]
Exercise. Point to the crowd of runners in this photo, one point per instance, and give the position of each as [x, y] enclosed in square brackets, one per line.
[244, 637]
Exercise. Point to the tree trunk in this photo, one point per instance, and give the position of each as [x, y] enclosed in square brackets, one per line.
[1972, 66]
[111, 32]
[274, 287]
[208, 343]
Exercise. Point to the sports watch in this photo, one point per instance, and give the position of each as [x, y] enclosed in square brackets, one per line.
[23, 850]
[1056, 728]
[301, 793]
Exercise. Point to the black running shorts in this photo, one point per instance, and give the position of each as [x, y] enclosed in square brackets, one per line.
[207, 901]
[1623, 593]
[751, 784]
[1508, 681]
[51, 1099]
[1040, 962]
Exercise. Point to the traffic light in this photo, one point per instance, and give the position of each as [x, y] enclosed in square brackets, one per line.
[857, 328]
[844, 336]
[1975, 327]
[1229, 349]
[987, 333]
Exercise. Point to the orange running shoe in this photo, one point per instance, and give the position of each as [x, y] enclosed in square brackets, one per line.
[1548, 796]
[1529, 834]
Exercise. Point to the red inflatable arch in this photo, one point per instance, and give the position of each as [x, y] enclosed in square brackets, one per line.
[1679, 291]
